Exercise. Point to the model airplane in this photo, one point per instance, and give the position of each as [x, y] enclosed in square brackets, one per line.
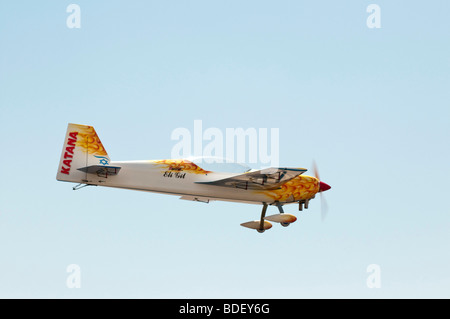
[85, 161]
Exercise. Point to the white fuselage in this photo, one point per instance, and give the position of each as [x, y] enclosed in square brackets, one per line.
[147, 176]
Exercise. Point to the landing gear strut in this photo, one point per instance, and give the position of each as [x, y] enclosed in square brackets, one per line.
[261, 223]
[280, 209]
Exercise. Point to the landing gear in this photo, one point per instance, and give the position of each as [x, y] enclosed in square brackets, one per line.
[280, 209]
[261, 228]
[263, 223]
[260, 225]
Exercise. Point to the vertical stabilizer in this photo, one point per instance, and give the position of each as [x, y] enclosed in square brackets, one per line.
[82, 148]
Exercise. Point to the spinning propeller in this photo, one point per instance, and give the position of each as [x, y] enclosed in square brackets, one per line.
[322, 188]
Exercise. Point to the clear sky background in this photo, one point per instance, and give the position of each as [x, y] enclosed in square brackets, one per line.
[370, 106]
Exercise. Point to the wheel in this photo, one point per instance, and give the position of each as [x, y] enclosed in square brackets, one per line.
[285, 224]
[260, 231]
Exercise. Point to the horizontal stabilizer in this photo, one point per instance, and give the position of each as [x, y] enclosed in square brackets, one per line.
[101, 170]
[264, 179]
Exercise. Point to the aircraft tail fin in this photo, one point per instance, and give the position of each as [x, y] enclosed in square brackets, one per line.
[82, 148]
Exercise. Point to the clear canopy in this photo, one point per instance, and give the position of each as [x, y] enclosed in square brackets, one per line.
[219, 164]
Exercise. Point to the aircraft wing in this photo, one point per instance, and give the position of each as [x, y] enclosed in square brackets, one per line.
[268, 178]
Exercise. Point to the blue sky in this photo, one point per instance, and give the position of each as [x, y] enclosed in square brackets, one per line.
[370, 106]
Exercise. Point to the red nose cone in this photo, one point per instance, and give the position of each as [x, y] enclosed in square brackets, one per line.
[324, 187]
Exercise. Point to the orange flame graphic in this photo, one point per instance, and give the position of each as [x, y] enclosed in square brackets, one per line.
[181, 165]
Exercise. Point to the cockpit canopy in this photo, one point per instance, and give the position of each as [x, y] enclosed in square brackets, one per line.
[219, 164]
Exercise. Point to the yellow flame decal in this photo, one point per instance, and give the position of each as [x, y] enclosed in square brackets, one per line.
[89, 142]
[181, 165]
[298, 188]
